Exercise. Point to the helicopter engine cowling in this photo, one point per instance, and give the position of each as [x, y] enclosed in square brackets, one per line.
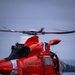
[17, 53]
[35, 48]
[24, 51]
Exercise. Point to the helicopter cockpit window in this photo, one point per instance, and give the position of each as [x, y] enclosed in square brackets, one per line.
[18, 51]
[48, 61]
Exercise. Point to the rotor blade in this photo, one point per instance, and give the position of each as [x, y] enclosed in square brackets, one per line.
[59, 29]
[37, 32]
[6, 31]
[13, 31]
[65, 32]
[4, 27]
[41, 30]
[24, 32]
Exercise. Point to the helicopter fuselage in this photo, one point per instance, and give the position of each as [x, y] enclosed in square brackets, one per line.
[30, 58]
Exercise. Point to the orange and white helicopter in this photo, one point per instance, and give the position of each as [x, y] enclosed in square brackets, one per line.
[34, 57]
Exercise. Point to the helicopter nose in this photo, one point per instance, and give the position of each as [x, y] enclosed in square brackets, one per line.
[4, 67]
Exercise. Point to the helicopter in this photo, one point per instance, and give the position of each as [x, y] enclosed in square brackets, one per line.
[34, 57]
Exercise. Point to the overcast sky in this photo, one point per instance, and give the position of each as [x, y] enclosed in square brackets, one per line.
[34, 14]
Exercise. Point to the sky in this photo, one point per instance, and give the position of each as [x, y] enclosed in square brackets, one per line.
[53, 15]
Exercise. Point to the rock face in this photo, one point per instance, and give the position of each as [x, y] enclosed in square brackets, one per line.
[67, 67]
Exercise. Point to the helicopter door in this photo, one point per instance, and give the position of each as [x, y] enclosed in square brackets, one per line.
[48, 64]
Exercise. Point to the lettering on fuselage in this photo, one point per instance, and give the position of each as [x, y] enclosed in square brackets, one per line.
[31, 64]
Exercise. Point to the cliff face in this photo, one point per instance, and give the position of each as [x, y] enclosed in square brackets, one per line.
[67, 67]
